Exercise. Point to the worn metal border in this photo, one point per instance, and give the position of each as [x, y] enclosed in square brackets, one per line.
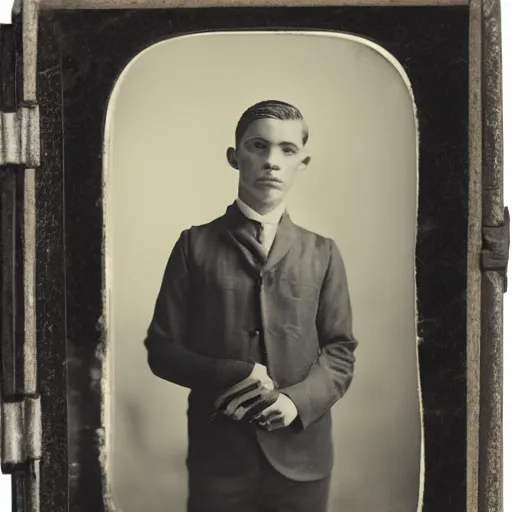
[487, 236]
[474, 247]
[165, 4]
[20, 408]
[495, 239]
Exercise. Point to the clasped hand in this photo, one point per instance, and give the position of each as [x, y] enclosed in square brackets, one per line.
[255, 399]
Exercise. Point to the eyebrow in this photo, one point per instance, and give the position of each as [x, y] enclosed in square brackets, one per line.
[284, 143]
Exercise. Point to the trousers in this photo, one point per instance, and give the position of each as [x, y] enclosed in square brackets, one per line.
[257, 487]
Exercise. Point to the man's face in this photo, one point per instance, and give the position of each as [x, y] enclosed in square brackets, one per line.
[268, 157]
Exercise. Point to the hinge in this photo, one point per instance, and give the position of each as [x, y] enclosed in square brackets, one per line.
[19, 136]
[495, 248]
[21, 431]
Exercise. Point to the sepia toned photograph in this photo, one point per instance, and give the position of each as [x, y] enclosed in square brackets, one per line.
[260, 212]
[253, 258]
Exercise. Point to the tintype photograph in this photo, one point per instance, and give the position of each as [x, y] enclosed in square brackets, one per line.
[260, 232]
[253, 256]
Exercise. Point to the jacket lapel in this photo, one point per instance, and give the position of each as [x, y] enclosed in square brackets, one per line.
[240, 232]
[282, 243]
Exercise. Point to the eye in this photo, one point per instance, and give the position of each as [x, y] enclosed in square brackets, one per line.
[259, 145]
[289, 151]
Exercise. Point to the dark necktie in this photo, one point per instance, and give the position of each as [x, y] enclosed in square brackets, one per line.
[260, 233]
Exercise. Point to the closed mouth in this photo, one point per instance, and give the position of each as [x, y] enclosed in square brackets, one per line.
[270, 180]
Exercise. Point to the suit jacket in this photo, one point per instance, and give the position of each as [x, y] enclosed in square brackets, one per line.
[223, 306]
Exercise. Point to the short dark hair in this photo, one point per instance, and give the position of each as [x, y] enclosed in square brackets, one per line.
[270, 109]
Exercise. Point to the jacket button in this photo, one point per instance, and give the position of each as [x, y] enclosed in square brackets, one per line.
[254, 332]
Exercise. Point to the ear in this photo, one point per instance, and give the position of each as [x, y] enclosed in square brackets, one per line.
[231, 156]
[305, 162]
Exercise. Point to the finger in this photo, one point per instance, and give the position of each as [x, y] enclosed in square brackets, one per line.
[239, 413]
[254, 409]
[273, 423]
[233, 405]
[233, 392]
[246, 409]
[242, 412]
[267, 415]
[239, 386]
[266, 384]
[256, 406]
[276, 425]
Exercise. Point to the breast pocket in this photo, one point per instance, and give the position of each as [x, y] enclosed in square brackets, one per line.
[298, 290]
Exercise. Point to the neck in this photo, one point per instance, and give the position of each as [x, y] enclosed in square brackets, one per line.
[261, 208]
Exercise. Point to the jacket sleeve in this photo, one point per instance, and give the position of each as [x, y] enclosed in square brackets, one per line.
[331, 374]
[167, 341]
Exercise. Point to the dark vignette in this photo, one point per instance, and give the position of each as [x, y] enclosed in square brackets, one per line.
[81, 56]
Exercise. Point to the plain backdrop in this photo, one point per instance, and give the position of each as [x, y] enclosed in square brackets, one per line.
[5, 6]
[173, 115]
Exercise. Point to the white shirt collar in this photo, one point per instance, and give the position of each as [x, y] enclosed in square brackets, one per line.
[272, 217]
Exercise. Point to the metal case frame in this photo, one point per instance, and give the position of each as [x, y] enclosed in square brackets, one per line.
[52, 382]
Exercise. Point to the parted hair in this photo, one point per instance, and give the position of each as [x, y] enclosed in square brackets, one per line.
[270, 109]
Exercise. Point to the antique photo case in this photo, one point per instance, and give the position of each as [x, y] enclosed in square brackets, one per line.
[143, 145]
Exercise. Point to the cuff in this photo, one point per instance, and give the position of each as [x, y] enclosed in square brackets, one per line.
[302, 405]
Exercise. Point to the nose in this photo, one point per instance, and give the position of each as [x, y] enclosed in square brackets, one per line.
[272, 160]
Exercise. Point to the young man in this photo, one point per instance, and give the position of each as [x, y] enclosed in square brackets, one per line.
[254, 316]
